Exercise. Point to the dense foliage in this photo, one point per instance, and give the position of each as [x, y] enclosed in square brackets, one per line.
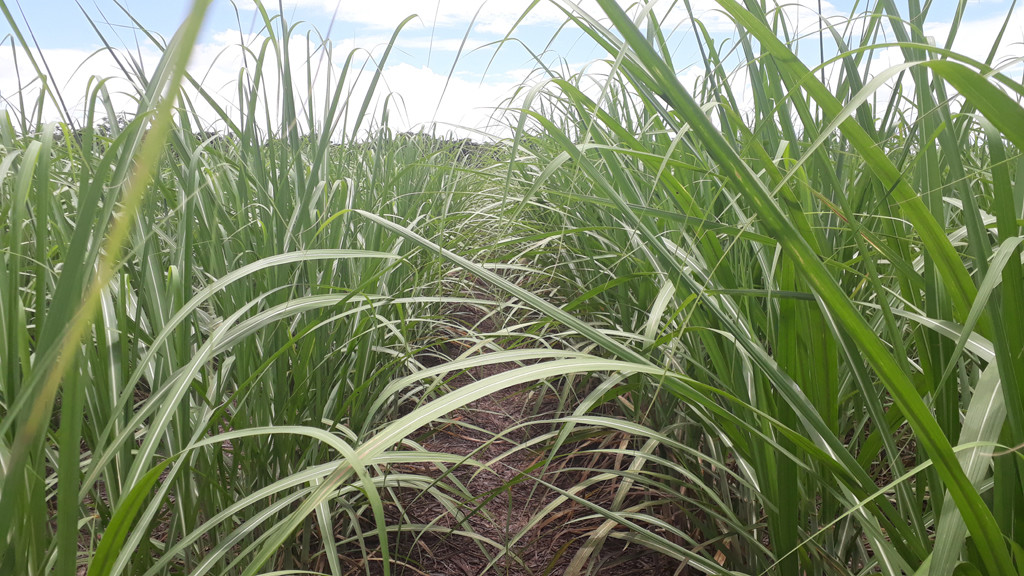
[804, 308]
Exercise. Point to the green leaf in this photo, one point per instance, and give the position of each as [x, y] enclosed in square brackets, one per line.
[112, 542]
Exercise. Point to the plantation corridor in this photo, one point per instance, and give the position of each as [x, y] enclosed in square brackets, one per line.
[742, 295]
[516, 524]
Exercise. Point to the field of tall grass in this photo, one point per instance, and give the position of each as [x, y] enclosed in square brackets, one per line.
[798, 307]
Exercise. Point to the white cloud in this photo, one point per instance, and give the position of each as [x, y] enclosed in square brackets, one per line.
[72, 73]
[464, 102]
[415, 91]
[492, 17]
[498, 16]
[422, 95]
[975, 38]
[441, 44]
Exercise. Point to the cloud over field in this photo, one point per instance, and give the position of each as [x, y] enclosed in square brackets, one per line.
[416, 96]
[420, 86]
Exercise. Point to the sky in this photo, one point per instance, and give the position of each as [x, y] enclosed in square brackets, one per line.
[445, 70]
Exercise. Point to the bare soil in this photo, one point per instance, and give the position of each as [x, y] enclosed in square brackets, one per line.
[504, 529]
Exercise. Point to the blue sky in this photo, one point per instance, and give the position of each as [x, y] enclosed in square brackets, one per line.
[420, 66]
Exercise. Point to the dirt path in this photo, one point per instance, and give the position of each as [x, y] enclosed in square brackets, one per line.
[507, 498]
